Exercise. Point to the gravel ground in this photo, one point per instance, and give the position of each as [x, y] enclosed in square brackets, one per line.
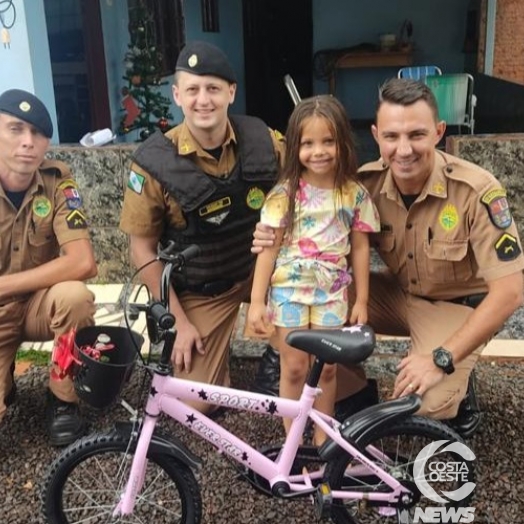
[499, 447]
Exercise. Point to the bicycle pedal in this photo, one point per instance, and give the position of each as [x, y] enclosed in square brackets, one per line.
[323, 501]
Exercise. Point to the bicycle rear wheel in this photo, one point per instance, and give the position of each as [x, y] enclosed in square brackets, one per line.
[86, 481]
[395, 449]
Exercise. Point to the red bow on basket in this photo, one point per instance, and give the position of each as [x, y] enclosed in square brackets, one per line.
[64, 355]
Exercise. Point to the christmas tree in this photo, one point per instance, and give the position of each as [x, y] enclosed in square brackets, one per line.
[145, 107]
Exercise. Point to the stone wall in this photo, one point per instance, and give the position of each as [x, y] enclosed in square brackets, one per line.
[502, 155]
[102, 176]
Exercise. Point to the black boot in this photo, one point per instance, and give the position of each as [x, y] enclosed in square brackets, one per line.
[469, 414]
[11, 396]
[267, 377]
[366, 397]
[64, 423]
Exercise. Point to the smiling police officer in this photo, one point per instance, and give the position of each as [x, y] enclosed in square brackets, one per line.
[45, 253]
[203, 182]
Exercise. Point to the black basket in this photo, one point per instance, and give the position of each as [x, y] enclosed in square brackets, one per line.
[99, 382]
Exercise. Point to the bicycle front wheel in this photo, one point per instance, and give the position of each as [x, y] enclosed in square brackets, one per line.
[86, 482]
[446, 469]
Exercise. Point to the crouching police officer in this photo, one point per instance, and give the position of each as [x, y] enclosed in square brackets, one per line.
[45, 253]
[203, 183]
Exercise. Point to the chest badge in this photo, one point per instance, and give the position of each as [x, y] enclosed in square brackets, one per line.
[448, 217]
[255, 198]
[217, 211]
[41, 206]
[498, 208]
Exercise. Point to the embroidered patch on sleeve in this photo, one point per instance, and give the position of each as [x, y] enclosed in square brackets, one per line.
[67, 183]
[498, 208]
[76, 220]
[507, 248]
[136, 182]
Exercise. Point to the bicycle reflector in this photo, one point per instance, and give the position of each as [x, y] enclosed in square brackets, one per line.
[99, 377]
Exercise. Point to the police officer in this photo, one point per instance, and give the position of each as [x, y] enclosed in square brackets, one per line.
[203, 183]
[45, 253]
[453, 256]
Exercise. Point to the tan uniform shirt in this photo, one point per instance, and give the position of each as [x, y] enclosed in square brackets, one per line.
[457, 235]
[148, 207]
[51, 215]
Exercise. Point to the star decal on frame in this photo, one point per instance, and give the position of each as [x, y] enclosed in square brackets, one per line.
[202, 394]
[191, 418]
[244, 456]
[153, 391]
[272, 408]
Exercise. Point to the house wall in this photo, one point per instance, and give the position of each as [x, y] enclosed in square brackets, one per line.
[508, 63]
[25, 63]
[439, 32]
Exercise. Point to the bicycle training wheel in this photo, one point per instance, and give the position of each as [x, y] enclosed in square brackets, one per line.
[447, 469]
[86, 481]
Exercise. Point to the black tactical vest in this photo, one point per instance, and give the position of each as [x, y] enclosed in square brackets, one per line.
[220, 212]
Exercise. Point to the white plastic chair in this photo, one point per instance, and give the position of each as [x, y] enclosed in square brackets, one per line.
[418, 72]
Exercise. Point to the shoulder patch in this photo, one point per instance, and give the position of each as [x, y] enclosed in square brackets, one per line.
[67, 183]
[498, 208]
[76, 220]
[507, 248]
[136, 182]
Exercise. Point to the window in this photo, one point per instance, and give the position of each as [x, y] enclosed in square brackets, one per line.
[165, 21]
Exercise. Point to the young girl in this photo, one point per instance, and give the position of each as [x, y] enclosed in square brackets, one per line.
[316, 208]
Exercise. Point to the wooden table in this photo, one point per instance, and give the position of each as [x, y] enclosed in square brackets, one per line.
[367, 59]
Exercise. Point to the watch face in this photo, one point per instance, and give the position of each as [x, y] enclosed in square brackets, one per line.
[442, 358]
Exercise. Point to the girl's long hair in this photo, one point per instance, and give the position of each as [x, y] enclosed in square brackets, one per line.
[329, 108]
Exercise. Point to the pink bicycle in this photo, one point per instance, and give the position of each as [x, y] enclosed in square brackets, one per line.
[365, 472]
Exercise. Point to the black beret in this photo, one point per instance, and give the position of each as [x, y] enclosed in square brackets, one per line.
[202, 58]
[27, 107]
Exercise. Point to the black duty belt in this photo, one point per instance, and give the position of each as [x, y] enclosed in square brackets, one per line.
[207, 289]
[469, 300]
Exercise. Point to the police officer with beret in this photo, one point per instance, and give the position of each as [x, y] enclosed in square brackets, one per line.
[454, 259]
[203, 183]
[45, 254]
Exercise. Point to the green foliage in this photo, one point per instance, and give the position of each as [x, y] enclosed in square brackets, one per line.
[143, 63]
[39, 358]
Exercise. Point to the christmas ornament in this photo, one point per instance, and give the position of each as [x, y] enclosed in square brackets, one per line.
[130, 107]
[145, 133]
[136, 80]
[163, 124]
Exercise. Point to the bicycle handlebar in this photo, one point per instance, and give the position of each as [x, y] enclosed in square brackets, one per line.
[180, 258]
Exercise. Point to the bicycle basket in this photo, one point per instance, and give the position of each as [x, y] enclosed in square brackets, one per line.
[98, 382]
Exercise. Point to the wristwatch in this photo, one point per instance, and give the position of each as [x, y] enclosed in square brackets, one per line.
[443, 359]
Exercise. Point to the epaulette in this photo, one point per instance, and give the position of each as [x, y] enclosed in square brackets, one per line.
[54, 168]
[372, 167]
[468, 173]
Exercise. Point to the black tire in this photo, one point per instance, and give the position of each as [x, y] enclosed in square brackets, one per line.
[401, 443]
[85, 483]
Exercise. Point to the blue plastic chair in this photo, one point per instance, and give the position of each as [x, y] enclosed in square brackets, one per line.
[419, 72]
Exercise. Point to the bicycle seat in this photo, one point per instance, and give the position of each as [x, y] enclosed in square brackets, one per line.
[348, 345]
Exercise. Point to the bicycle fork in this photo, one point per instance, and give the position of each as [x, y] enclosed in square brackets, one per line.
[138, 469]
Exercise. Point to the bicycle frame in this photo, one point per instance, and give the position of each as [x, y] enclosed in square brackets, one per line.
[167, 395]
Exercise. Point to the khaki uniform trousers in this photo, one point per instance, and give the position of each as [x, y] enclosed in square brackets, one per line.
[214, 318]
[428, 323]
[44, 316]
